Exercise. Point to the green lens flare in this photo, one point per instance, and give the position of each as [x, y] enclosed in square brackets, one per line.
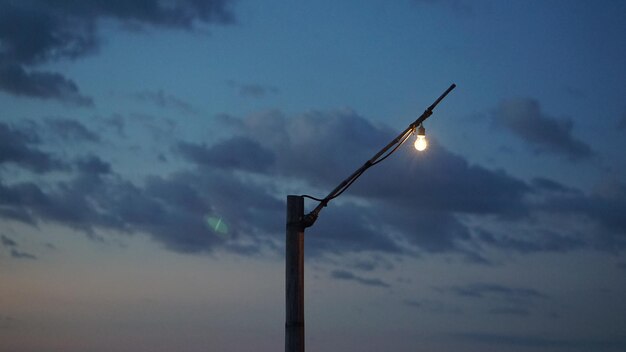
[218, 225]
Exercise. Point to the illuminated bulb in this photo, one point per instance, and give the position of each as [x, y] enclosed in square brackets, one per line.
[421, 143]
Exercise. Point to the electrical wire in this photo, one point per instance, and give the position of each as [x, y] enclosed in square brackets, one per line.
[348, 184]
[353, 179]
[408, 134]
[311, 197]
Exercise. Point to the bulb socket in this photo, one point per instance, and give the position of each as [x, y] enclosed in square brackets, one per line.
[421, 131]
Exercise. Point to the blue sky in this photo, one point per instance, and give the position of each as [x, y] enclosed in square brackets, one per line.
[147, 149]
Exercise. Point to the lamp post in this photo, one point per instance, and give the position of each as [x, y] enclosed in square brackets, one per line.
[297, 221]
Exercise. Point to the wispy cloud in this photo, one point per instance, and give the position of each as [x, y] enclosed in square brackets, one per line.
[7, 242]
[12, 246]
[349, 276]
[167, 101]
[252, 90]
[33, 32]
[21, 255]
[543, 133]
[537, 341]
[19, 146]
[491, 290]
[71, 130]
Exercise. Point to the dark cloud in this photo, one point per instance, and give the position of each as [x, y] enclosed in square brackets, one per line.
[93, 165]
[599, 212]
[515, 311]
[543, 133]
[432, 306]
[495, 291]
[18, 146]
[536, 341]
[7, 242]
[115, 122]
[365, 265]
[323, 148]
[605, 207]
[253, 90]
[173, 210]
[21, 255]
[433, 231]
[546, 185]
[17, 80]
[435, 202]
[14, 251]
[420, 203]
[350, 228]
[236, 153]
[349, 276]
[33, 32]
[167, 101]
[540, 241]
[71, 130]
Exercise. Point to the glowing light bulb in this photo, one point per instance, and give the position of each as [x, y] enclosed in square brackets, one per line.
[420, 142]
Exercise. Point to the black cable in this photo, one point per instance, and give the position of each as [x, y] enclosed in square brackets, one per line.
[349, 184]
[311, 197]
[344, 188]
[393, 150]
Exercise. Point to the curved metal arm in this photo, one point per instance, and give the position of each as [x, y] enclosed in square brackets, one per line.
[310, 218]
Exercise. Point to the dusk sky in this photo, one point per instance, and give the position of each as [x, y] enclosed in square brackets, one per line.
[147, 148]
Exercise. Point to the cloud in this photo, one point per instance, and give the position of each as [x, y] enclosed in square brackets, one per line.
[546, 185]
[524, 118]
[605, 207]
[93, 165]
[521, 312]
[253, 90]
[535, 341]
[419, 203]
[71, 130]
[12, 245]
[539, 241]
[33, 32]
[21, 255]
[17, 146]
[349, 276]
[426, 205]
[173, 210]
[495, 291]
[350, 228]
[7, 242]
[324, 147]
[18, 81]
[432, 306]
[167, 101]
[433, 203]
[239, 153]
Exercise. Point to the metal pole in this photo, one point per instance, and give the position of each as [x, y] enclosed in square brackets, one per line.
[294, 274]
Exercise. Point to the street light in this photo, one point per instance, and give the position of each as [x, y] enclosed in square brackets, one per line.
[297, 222]
[420, 141]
